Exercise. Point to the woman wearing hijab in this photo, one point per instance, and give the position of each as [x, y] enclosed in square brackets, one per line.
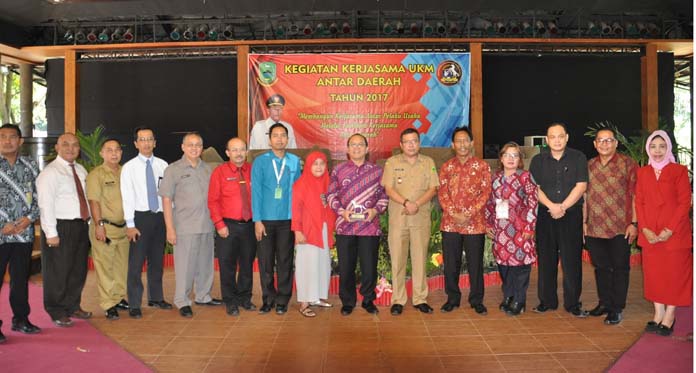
[313, 223]
[511, 220]
[663, 199]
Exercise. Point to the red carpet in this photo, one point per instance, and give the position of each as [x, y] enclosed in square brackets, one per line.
[81, 348]
[653, 353]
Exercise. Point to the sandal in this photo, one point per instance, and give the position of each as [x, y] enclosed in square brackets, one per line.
[307, 312]
[321, 303]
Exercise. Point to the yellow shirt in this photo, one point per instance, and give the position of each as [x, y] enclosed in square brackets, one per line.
[104, 186]
[411, 181]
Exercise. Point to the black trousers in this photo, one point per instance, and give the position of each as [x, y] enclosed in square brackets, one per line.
[18, 255]
[560, 237]
[64, 268]
[611, 259]
[275, 254]
[515, 281]
[452, 257]
[149, 246]
[236, 255]
[350, 249]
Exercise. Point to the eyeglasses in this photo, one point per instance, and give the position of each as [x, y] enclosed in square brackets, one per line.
[409, 142]
[146, 139]
[511, 155]
[606, 141]
[357, 145]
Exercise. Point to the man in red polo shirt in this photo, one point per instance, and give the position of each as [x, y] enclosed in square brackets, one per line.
[229, 202]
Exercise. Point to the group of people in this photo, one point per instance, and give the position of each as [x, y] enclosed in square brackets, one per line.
[289, 216]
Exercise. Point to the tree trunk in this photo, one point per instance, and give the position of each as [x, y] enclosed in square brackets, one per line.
[3, 107]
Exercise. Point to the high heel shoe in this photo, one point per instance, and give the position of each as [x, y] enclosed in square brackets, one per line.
[665, 331]
[651, 327]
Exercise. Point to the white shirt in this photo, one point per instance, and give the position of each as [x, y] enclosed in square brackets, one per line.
[134, 186]
[57, 194]
[259, 135]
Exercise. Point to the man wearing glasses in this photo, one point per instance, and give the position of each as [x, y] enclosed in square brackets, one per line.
[142, 209]
[410, 180]
[610, 224]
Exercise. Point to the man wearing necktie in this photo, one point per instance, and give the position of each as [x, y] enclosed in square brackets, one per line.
[142, 209]
[229, 202]
[64, 222]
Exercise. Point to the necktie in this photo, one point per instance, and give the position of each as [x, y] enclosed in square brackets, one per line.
[152, 201]
[84, 211]
[246, 209]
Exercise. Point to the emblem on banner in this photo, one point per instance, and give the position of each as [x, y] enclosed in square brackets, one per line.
[267, 73]
[449, 72]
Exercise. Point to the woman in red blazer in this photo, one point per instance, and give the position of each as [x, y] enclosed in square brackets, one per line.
[663, 200]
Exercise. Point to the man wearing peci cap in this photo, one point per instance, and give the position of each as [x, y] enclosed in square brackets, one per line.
[259, 133]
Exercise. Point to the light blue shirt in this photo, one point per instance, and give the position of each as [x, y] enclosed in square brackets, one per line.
[264, 204]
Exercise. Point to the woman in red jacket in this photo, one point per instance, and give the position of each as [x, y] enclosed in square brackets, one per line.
[663, 200]
[313, 223]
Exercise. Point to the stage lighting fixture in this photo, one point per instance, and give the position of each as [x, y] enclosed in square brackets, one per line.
[427, 28]
[500, 28]
[228, 32]
[294, 29]
[553, 29]
[527, 28]
[642, 28]
[484, 25]
[333, 28]
[415, 29]
[399, 27]
[69, 36]
[345, 28]
[514, 27]
[616, 28]
[128, 36]
[307, 30]
[540, 28]
[80, 36]
[606, 30]
[188, 33]
[175, 35]
[104, 35]
[387, 28]
[653, 29]
[321, 29]
[92, 36]
[441, 29]
[117, 34]
[202, 32]
[631, 29]
[278, 29]
[453, 28]
[592, 28]
[213, 33]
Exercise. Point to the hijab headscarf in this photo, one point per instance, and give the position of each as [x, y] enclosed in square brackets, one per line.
[313, 192]
[669, 157]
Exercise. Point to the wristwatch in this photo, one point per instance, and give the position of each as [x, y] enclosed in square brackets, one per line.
[634, 223]
[101, 223]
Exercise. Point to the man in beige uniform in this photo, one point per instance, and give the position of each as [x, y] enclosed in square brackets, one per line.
[410, 180]
[108, 230]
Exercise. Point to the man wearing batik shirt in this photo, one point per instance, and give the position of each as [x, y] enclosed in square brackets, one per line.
[357, 198]
[610, 223]
[465, 185]
[18, 211]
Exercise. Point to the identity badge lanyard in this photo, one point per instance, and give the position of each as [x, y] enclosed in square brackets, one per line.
[278, 175]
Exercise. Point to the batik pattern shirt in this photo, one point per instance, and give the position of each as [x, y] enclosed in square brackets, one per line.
[610, 192]
[18, 196]
[464, 188]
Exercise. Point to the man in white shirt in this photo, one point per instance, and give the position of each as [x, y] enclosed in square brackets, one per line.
[64, 222]
[142, 209]
[259, 133]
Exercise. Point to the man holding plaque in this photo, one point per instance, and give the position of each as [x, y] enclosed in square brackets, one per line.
[357, 197]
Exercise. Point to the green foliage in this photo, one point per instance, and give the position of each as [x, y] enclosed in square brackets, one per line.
[90, 146]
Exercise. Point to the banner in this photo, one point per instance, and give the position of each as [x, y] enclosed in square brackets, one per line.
[329, 97]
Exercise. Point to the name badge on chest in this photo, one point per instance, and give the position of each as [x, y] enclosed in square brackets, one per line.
[278, 192]
[502, 209]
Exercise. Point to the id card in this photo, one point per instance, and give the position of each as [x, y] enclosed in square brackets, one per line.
[502, 209]
[278, 193]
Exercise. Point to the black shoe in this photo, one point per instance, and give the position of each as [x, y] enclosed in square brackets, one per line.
[505, 304]
[578, 312]
[541, 308]
[599, 310]
[651, 327]
[346, 310]
[396, 309]
[2, 336]
[112, 313]
[249, 306]
[281, 309]
[63, 322]
[480, 308]
[448, 307]
[370, 307]
[665, 331]
[24, 326]
[186, 311]
[266, 308]
[515, 308]
[135, 313]
[424, 307]
[123, 305]
[212, 302]
[613, 318]
[163, 305]
[232, 310]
